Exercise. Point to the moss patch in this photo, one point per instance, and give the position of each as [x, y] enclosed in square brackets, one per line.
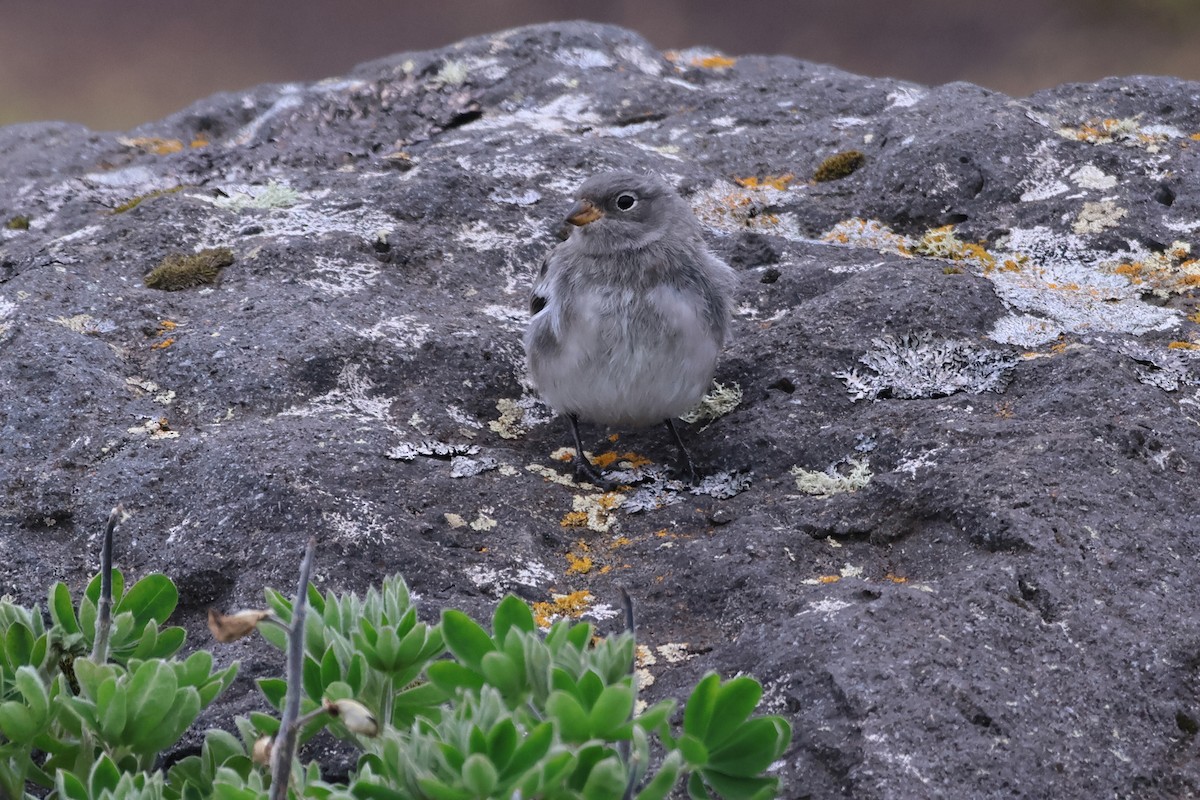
[839, 165]
[182, 271]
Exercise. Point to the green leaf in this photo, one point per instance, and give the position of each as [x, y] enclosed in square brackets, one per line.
[92, 592]
[731, 787]
[465, 638]
[169, 642]
[656, 716]
[274, 689]
[37, 697]
[479, 775]
[569, 714]
[436, 790]
[180, 716]
[606, 780]
[512, 612]
[18, 644]
[697, 714]
[450, 676]
[104, 775]
[752, 747]
[591, 685]
[501, 672]
[69, 787]
[611, 711]
[535, 744]
[154, 597]
[62, 608]
[664, 780]
[502, 742]
[151, 694]
[580, 635]
[113, 710]
[735, 702]
[696, 788]
[311, 675]
[16, 721]
[331, 670]
[195, 669]
[693, 750]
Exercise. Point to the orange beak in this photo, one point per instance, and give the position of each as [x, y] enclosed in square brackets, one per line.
[585, 211]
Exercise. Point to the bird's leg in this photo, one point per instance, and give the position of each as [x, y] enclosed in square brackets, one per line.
[684, 457]
[584, 469]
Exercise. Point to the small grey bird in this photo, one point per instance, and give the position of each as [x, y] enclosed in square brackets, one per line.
[629, 313]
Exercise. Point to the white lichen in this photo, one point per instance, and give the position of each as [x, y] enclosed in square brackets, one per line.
[919, 365]
[844, 477]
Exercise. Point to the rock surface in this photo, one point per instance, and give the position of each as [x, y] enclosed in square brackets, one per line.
[951, 521]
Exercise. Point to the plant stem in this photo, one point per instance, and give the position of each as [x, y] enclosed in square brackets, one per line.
[104, 607]
[284, 750]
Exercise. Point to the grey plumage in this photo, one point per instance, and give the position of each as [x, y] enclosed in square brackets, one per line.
[631, 311]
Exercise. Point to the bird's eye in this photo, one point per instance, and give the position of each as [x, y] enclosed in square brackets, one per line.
[626, 201]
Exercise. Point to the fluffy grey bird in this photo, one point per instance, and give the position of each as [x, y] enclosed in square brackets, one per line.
[629, 313]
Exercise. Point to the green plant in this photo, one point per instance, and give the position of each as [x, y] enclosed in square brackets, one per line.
[93, 725]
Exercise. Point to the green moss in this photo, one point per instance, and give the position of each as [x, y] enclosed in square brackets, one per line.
[134, 202]
[183, 271]
[18, 223]
[839, 165]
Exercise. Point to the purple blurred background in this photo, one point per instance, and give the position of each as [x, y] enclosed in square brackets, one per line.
[113, 65]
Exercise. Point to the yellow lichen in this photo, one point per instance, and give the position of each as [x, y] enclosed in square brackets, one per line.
[574, 519]
[1183, 346]
[561, 605]
[18, 223]
[164, 344]
[829, 578]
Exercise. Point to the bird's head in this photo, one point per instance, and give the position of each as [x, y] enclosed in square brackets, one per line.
[622, 210]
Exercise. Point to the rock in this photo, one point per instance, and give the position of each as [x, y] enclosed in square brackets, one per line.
[992, 593]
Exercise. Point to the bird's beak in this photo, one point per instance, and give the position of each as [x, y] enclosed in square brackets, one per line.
[585, 211]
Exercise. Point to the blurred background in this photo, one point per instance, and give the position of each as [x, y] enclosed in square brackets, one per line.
[113, 65]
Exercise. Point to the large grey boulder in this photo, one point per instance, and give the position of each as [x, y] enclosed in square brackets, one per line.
[951, 524]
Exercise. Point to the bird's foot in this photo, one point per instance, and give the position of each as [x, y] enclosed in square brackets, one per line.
[586, 472]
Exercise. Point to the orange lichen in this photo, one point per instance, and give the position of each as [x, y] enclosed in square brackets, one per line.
[895, 578]
[574, 519]
[605, 460]
[621, 541]
[562, 605]
[778, 182]
[153, 144]
[1194, 317]
[612, 437]
[579, 565]
[578, 560]
[713, 62]
[829, 578]
[164, 344]
[199, 140]
[1183, 346]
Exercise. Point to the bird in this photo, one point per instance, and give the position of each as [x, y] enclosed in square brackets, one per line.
[629, 314]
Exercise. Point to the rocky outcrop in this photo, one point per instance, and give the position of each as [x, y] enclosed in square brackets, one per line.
[949, 516]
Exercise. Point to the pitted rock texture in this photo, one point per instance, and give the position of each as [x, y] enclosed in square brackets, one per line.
[975, 580]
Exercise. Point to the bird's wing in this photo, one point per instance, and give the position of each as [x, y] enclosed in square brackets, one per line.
[541, 287]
